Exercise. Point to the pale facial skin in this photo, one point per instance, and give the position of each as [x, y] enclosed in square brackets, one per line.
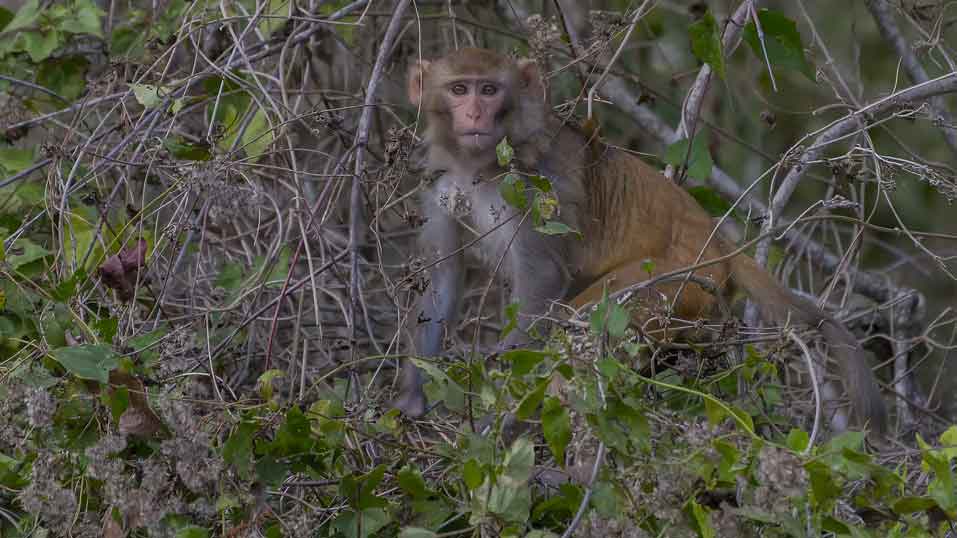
[475, 104]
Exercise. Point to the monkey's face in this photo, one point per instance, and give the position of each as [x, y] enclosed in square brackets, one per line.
[476, 107]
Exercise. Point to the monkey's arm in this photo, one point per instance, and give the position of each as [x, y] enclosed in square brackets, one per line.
[539, 277]
[437, 307]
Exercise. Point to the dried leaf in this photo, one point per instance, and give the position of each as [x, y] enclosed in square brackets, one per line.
[120, 272]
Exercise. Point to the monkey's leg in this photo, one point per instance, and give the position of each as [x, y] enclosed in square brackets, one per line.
[437, 307]
[538, 279]
[693, 302]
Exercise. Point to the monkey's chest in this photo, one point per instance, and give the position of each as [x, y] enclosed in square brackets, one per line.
[489, 226]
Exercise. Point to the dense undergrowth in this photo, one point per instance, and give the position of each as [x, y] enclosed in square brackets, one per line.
[192, 345]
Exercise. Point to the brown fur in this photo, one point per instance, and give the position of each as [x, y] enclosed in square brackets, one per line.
[627, 211]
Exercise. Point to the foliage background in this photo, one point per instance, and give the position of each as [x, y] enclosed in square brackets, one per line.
[207, 274]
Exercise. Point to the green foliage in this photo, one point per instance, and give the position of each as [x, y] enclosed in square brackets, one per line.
[159, 416]
[504, 152]
[697, 161]
[87, 362]
[13, 160]
[782, 41]
[39, 32]
[512, 189]
[706, 43]
[713, 202]
[148, 95]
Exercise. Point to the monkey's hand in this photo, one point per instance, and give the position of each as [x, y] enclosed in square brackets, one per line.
[411, 400]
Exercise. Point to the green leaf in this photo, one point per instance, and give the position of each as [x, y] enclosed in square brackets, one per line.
[5, 17]
[529, 402]
[274, 16]
[117, 400]
[238, 449]
[948, 442]
[411, 482]
[106, 328]
[13, 160]
[512, 189]
[293, 436]
[264, 384]
[524, 361]
[715, 413]
[504, 152]
[610, 316]
[142, 342]
[442, 387]
[829, 524]
[713, 202]
[65, 76]
[541, 183]
[782, 40]
[511, 315]
[85, 19]
[126, 41]
[271, 471]
[472, 474]
[556, 427]
[702, 521]
[823, 487]
[706, 42]
[520, 460]
[169, 19]
[360, 490]
[554, 227]
[26, 16]
[909, 505]
[942, 486]
[608, 367]
[147, 94]
[362, 525]
[798, 440]
[258, 136]
[25, 252]
[509, 497]
[40, 45]
[87, 361]
[180, 148]
[699, 161]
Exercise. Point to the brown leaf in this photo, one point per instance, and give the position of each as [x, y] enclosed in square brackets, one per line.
[111, 527]
[121, 271]
[138, 419]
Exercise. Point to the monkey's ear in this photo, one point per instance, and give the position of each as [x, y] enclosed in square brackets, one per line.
[531, 77]
[416, 82]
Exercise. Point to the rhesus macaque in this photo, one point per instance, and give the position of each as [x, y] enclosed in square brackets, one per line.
[627, 213]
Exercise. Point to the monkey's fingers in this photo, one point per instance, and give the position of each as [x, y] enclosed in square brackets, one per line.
[411, 402]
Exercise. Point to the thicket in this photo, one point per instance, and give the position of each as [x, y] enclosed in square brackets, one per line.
[207, 275]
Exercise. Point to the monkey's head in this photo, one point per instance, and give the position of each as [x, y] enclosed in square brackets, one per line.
[472, 98]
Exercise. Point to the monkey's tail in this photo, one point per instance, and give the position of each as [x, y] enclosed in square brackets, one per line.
[778, 303]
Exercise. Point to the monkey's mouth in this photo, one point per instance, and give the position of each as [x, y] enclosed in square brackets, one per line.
[478, 140]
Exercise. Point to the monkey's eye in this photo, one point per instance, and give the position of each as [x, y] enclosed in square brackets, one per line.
[459, 89]
[489, 89]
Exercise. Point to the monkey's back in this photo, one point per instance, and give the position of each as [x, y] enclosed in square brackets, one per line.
[645, 225]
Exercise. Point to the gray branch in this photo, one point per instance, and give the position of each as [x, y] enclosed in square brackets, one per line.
[881, 11]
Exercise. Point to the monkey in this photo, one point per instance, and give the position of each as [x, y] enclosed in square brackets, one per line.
[630, 217]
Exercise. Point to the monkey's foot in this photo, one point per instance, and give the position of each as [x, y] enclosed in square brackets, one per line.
[411, 403]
